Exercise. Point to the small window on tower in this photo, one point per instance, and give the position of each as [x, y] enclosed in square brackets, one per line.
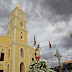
[21, 53]
[21, 24]
[8, 68]
[21, 15]
[11, 24]
[12, 15]
[8, 53]
[10, 35]
[32, 59]
[21, 35]
[2, 53]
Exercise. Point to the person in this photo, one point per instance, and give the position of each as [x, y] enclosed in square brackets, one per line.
[65, 67]
[57, 69]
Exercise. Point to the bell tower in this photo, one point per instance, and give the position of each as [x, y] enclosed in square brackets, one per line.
[17, 30]
[18, 42]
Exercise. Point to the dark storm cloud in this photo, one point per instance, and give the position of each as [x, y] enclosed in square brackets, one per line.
[5, 10]
[31, 7]
[66, 41]
[4, 13]
[62, 8]
[52, 10]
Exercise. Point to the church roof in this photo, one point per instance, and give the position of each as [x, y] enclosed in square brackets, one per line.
[67, 62]
[18, 6]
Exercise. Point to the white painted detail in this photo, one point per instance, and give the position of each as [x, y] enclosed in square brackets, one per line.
[28, 56]
[14, 46]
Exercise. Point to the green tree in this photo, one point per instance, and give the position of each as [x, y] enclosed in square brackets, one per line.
[69, 66]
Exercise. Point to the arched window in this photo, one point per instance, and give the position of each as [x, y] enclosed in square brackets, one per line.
[11, 24]
[8, 68]
[21, 35]
[1, 68]
[12, 15]
[21, 24]
[32, 57]
[21, 53]
[22, 68]
[20, 14]
[8, 53]
[10, 35]
[2, 55]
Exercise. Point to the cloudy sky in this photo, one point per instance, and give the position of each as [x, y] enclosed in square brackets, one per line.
[48, 20]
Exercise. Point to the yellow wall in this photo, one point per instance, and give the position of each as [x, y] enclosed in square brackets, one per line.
[4, 40]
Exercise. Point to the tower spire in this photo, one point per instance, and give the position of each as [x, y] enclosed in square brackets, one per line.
[18, 5]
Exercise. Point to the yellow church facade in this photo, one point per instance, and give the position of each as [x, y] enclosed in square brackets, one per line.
[15, 53]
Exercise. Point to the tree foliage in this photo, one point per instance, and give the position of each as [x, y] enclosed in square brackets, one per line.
[39, 66]
[69, 66]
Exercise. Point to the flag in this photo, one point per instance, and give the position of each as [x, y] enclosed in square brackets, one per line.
[34, 41]
[49, 44]
[37, 57]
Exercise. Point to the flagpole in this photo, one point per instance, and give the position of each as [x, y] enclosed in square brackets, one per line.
[34, 42]
[51, 53]
[51, 57]
[35, 46]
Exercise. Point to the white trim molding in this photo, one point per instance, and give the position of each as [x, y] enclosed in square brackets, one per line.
[3, 45]
[18, 18]
[14, 42]
[28, 56]
[17, 9]
[17, 28]
[14, 45]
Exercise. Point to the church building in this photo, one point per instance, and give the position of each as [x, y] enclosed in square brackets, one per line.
[15, 53]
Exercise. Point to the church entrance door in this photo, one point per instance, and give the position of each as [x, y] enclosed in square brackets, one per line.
[1, 70]
[22, 68]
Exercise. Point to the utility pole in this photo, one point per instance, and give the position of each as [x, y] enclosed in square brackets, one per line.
[58, 56]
